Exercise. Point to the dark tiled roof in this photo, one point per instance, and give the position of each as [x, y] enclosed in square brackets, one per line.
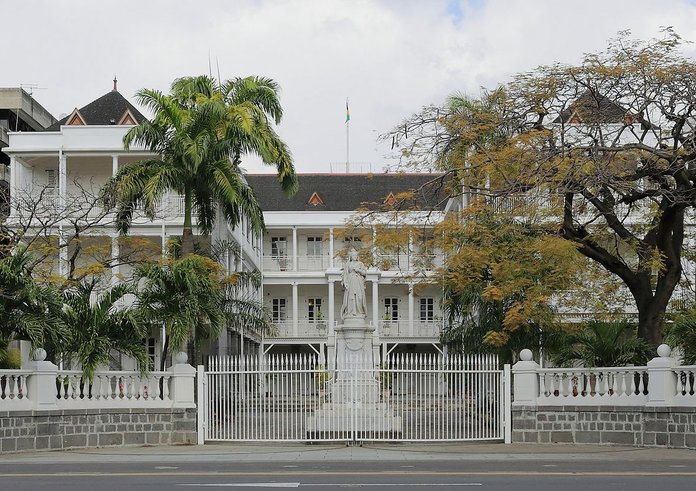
[348, 192]
[106, 110]
[592, 109]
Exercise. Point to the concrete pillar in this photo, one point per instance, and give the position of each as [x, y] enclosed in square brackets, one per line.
[663, 380]
[332, 306]
[411, 302]
[116, 269]
[41, 384]
[331, 247]
[525, 380]
[114, 165]
[62, 179]
[295, 310]
[375, 303]
[14, 185]
[181, 389]
[294, 249]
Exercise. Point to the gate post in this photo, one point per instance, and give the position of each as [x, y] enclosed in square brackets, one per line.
[507, 398]
[202, 405]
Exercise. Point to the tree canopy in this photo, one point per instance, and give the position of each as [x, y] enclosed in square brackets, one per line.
[604, 149]
[199, 133]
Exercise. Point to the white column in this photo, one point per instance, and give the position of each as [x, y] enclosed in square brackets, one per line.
[411, 302]
[295, 308]
[375, 303]
[294, 249]
[114, 165]
[62, 179]
[331, 247]
[115, 270]
[525, 380]
[332, 313]
[14, 184]
[663, 380]
[163, 238]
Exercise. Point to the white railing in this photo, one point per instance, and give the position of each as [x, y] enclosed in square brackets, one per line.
[402, 328]
[41, 385]
[277, 263]
[299, 398]
[312, 263]
[113, 389]
[615, 386]
[663, 382]
[13, 390]
[305, 329]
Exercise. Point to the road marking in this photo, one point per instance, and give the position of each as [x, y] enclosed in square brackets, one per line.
[550, 465]
[246, 485]
[290, 466]
[165, 467]
[297, 485]
[678, 466]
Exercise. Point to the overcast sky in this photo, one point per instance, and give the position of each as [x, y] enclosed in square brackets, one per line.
[388, 57]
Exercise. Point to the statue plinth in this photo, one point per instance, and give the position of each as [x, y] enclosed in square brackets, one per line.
[354, 402]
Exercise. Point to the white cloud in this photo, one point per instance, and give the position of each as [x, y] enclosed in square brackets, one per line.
[389, 57]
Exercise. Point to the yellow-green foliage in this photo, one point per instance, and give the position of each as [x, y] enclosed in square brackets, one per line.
[11, 359]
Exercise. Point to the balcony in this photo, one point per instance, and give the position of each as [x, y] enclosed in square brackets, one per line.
[304, 263]
[305, 329]
[402, 329]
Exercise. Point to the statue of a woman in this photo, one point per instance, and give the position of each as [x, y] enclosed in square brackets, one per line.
[353, 287]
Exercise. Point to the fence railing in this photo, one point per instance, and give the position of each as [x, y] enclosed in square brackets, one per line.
[40, 385]
[662, 382]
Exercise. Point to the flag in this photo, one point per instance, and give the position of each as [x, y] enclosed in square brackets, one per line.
[347, 112]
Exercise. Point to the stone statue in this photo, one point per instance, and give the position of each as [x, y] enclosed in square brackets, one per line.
[353, 287]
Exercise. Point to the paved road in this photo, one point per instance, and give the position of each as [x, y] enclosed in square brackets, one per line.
[376, 467]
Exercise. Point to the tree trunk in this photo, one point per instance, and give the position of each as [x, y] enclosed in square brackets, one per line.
[651, 316]
[187, 235]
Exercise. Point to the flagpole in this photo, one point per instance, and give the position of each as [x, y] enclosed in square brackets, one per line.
[347, 138]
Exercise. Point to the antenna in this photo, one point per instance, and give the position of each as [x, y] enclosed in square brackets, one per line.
[217, 62]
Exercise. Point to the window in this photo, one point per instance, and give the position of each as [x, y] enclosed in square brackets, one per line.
[391, 309]
[51, 180]
[314, 246]
[314, 309]
[151, 344]
[427, 309]
[279, 247]
[278, 310]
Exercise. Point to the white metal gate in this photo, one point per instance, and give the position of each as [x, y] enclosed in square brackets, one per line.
[406, 398]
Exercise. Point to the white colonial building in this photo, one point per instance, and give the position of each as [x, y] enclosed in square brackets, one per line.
[306, 240]
[61, 170]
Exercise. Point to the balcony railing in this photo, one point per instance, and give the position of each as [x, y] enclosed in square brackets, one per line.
[402, 328]
[383, 262]
[305, 329]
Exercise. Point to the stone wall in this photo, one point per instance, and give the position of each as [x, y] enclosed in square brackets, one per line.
[673, 427]
[80, 428]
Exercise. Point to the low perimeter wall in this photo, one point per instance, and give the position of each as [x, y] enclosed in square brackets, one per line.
[80, 428]
[644, 426]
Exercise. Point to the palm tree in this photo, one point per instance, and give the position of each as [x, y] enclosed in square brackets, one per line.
[97, 328]
[29, 311]
[682, 335]
[199, 132]
[186, 296]
[603, 344]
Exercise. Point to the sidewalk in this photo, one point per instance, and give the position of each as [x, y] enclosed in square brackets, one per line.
[373, 452]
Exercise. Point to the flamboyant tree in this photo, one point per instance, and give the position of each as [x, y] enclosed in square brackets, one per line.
[605, 150]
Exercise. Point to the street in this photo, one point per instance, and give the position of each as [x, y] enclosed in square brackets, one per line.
[324, 467]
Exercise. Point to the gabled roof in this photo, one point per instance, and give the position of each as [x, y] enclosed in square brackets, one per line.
[347, 192]
[111, 108]
[593, 108]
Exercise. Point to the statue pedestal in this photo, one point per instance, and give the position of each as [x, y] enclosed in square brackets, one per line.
[354, 394]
